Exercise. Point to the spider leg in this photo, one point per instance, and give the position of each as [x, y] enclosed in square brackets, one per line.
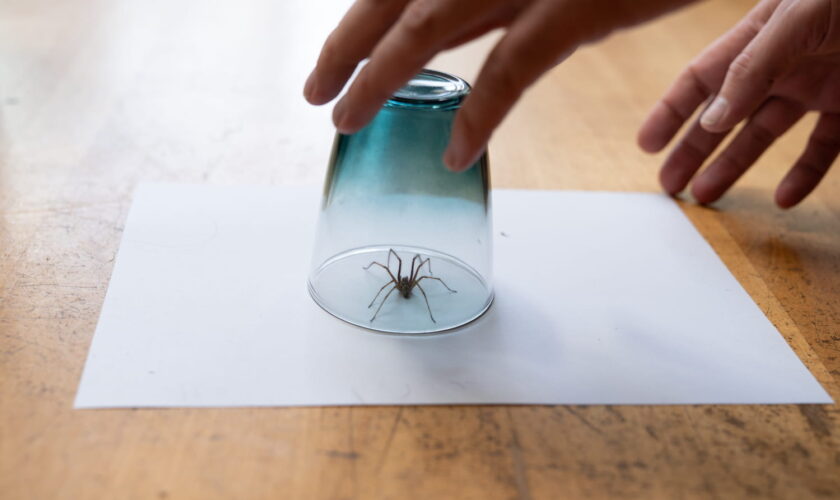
[399, 269]
[421, 278]
[382, 266]
[427, 301]
[414, 261]
[422, 262]
[383, 302]
[377, 293]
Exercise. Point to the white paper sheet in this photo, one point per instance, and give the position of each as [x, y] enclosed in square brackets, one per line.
[602, 298]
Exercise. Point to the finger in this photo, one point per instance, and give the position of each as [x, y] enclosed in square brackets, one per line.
[353, 40]
[687, 157]
[697, 81]
[772, 120]
[424, 28]
[480, 30]
[509, 69]
[821, 151]
[751, 75]
[675, 108]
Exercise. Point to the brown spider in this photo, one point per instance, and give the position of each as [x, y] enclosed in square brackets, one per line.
[404, 284]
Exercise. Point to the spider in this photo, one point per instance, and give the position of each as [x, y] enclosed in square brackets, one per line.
[404, 284]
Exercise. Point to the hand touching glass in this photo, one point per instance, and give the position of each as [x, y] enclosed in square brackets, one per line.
[780, 61]
[400, 36]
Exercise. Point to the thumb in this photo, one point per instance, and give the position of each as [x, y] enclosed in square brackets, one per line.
[788, 35]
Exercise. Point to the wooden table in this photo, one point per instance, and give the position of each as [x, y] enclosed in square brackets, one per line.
[98, 95]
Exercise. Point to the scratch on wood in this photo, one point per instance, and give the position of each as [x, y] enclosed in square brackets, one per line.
[518, 462]
[615, 413]
[817, 418]
[582, 419]
[387, 447]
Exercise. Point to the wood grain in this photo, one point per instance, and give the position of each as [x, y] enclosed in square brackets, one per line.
[98, 95]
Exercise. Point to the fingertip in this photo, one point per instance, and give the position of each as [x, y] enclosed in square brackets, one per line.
[677, 170]
[786, 197]
[322, 86]
[449, 160]
[466, 142]
[457, 157]
[783, 203]
[648, 142]
[317, 99]
[343, 119]
[642, 140]
[338, 115]
[668, 183]
[660, 126]
[307, 88]
[315, 94]
[350, 124]
[703, 194]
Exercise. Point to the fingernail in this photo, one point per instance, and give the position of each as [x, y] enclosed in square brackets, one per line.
[715, 112]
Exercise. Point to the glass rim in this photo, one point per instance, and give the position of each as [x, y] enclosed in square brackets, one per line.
[431, 89]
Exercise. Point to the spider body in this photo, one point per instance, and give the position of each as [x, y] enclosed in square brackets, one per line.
[405, 284]
[404, 287]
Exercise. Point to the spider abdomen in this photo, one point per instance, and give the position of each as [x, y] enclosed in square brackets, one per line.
[405, 287]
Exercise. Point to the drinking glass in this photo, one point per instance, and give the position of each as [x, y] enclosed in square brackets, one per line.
[403, 244]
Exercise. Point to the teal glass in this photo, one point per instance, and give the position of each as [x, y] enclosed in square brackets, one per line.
[403, 244]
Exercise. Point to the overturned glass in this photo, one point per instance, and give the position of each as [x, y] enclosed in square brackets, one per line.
[404, 245]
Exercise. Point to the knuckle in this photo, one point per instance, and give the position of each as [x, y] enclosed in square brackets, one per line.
[363, 85]
[811, 169]
[367, 87]
[761, 134]
[469, 125]
[754, 25]
[693, 151]
[331, 51]
[732, 166]
[693, 74]
[741, 66]
[826, 142]
[422, 18]
[815, 20]
[674, 110]
[743, 69]
[504, 81]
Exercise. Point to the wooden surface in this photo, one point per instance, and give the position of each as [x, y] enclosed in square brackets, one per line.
[98, 95]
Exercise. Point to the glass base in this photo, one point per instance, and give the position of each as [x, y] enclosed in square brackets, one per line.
[344, 288]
